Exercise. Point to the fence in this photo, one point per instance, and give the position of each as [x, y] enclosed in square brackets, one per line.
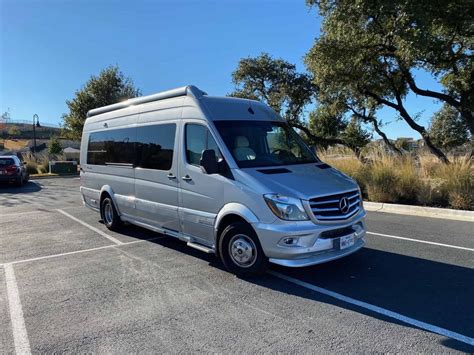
[27, 122]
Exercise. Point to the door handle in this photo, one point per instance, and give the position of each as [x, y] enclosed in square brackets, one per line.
[171, 176]
[187, 178]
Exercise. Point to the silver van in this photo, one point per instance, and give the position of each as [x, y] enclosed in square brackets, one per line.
[226, 175]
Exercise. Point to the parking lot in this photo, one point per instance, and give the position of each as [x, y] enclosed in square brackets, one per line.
[67, 284]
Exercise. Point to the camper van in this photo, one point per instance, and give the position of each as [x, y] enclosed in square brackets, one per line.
[228, 176]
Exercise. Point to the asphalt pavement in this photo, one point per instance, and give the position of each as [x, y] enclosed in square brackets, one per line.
[67, 284]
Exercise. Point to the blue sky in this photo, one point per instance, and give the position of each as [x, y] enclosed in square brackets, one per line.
[49, 48]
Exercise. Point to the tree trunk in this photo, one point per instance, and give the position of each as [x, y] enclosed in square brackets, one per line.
[469, 118]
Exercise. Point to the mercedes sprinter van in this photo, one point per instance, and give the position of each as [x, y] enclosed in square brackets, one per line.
[226, 175]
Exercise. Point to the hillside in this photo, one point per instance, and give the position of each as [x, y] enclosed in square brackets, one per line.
[26, 131]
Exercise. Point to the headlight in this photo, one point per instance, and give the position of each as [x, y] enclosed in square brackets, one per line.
[287, 208]
[360, 196]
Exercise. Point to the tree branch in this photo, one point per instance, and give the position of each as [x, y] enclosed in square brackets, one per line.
[373, 120]
[314, 138]
[411, 122]
[429, 93]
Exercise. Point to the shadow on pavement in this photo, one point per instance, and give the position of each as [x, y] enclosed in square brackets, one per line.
[433, 292]
[29, 187]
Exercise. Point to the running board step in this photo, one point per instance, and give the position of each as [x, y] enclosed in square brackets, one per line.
[201, 247]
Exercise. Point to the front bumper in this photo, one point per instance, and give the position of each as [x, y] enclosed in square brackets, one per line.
[313, 246]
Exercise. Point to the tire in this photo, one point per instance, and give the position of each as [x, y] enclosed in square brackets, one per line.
[19, 182]
[109, 214]
[240, 250]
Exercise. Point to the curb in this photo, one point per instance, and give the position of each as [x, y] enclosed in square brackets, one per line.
[434, 212]
[54, 177]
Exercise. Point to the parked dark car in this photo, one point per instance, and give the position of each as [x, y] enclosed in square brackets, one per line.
[13, 170]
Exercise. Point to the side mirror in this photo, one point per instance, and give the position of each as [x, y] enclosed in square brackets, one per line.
[209, 162]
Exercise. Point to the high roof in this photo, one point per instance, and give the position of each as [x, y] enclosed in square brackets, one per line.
[189, 90]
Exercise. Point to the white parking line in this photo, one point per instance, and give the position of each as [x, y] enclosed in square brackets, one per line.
[420, 241]
[376, 309]
[116, 241]
[80, 251]
[20, 336]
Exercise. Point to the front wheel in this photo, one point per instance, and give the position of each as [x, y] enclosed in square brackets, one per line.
[241, 251]
[109, 214]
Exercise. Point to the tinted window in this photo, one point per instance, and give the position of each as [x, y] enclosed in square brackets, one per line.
[155, 146]
[112, 146]
[198, 138]
[6, 161]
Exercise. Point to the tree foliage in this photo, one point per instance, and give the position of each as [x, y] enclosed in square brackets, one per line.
[109, 87]
[325, 122]
[355, 136]
[331, 121]
[275, 82]
[14, 131]
[54, 146]
[369, 51]
[448, 129]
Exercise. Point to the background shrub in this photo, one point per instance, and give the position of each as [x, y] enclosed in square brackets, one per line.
[382, 183]
[458, 182]
[422, 179]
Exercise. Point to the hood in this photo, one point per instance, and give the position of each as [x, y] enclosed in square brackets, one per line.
[302, 181]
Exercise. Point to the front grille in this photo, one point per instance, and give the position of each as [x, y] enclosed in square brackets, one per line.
[326, 208]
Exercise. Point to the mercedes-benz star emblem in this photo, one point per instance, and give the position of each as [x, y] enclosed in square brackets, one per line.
[344, 205]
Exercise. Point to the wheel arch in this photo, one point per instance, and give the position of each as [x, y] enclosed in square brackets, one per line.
[105, 191]
[231, 213]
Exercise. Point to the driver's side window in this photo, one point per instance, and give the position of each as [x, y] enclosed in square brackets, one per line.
[197, 139]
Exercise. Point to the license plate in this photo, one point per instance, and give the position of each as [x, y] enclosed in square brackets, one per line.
[346, 242]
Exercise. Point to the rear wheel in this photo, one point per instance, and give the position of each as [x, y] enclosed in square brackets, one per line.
[240, 250]
[109, 214]
[19, 182]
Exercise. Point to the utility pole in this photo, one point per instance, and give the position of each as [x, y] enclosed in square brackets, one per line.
[35, 117]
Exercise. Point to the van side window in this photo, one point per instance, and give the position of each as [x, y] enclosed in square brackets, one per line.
[198, 138]
[155, 145]
[115, 146]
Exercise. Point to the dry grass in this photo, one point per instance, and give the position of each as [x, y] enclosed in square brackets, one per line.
[31, 164]
[410, 179]
[15, 145]
[458, 182]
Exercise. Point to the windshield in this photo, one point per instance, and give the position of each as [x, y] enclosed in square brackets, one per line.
[263, 143]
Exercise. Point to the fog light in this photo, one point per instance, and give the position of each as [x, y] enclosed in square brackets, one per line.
[290, 241]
